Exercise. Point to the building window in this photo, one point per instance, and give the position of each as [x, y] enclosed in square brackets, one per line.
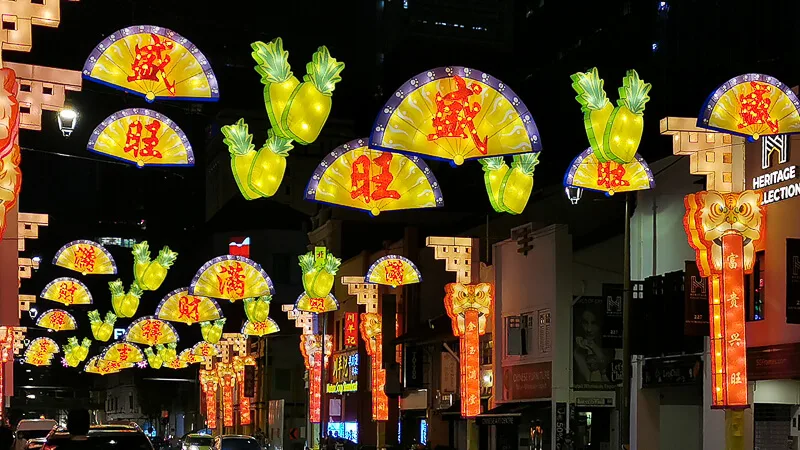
[754, 289]
[486, 352]
[513, 336]
[545, 344]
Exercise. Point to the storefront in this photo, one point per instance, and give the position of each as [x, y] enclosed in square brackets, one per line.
[342, 392]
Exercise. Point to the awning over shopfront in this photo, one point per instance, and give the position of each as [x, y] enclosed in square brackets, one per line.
[504, 414]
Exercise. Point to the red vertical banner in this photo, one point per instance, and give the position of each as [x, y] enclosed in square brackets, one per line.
[380, 402]
[314, 380]
[211, 407]
[470, 365]
[716, 321]
[350, 329]
[227, 402]
[244, 411]
[733, 316]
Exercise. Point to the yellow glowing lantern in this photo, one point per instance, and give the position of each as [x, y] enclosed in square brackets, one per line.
[176, 363]
[752, 105]
[151, 331]
[153, 62]
[455, 113]
[142, 137]
[67, 291]
[40, 351]
[125, 304]
[319, 270]
[393, 270]
[356, 176]
[257, 174]
[240, 144]
[614, 132]
[257, 309]
[57, 320]
[610, 177]
[74, 352]
[86, 258]
[189, 357]
[102, 329]
[212, 331]
[262, 328]
[10, 157]
[149, 275]
[100, 366]
[509, 188]
[180, 306]
[307, 303]
[153, 360]
[205, 350]
[168, 353]
[231, 278]
[123, 353]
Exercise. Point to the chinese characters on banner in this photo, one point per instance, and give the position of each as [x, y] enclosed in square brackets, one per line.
[372, 187]
[470, 366]
[143, 146]
[372, 334]
[85, 258]
[350, 329]
[189, 308]
[455, 116]
[66, 292]
[151, 61]
[610, 177]
[733, 295]
[231, 279]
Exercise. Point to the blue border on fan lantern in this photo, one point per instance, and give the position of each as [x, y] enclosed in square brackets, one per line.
[67, 279]
[142, 319]
[413, 83]
[218, 259]
[86, 242]
[569, 176]
[313, 182]
[174, 292]
[384, 258]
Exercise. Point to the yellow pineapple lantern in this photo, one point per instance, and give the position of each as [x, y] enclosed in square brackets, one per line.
[75, 353]
[212, 330]
[125, 304]
[257, 309]
[153, 360]
[319, 270]
[509, 189]
[102, 329]
[149, 275]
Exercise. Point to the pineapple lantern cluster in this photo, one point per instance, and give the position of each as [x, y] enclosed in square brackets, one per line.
[297, 112]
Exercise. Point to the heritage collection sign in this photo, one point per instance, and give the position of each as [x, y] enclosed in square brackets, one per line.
[770, 166]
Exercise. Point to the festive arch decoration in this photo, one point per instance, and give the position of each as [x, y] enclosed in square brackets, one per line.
[40, 351]
[455, 113]
[86, 258]
[123, 353]
[357, 176]
[142, 137]
[264, 328]
[205, 349]
[180, 306]
[57, 320]
[393, 270]
[67, 291]
[151, 331]
[100, 366]
[752, 105]
[587, 172]
[231, 278]
[153, 62]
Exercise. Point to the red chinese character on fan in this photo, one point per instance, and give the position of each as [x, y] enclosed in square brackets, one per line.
[316, 304]
[85, 258]
[66, 292]
[611, 177]
[124, 350]
[144, 147]
[151, 61]
[455, 117]
[755, 107]
[57, 320]
[189, 308]
[231, 279]
[372, 187]
[394, 273]
[151, 330]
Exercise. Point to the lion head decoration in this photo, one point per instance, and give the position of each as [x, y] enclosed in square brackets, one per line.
[10, 175]
[371, 328]
[711, 215]
[459, 298]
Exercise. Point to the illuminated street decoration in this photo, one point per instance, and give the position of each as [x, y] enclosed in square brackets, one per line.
[350, 329]
[142, 137]
[168, 353]
[344, 375]
[151, 331]
[209, 381]
[74, 352]
[57, 320]
[319, 269]
[752, 105]
[189, 357]
[239, 364]
[42, 89]
[614, 132]
[296, 110]
[261, 328]
[227, 379]
[372, 334]
[212, 331]
[231, 278]
[125, 304]
[10, 157]
[153, 62]
[149, 274]
[356, 176]
[509, 188]
[455, 113]
[153, 359]
[311, 349]
[123, 353]
[316, 305]
[722, 229]
[180, 306]
[102, 329]
[86, 258]
[40, 351]
[205, 350]
[257, 309]
[257, 174]
[8, 345]
[67, 291]
[393, 270]
[610, 177]
[99, 366]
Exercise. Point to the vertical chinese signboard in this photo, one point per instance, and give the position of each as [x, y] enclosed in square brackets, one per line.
[350, 329]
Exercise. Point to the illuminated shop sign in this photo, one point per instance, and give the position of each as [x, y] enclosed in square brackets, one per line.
[773, 171]
[344, 373]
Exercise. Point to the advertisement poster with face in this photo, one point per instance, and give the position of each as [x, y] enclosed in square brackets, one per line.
[594, 365]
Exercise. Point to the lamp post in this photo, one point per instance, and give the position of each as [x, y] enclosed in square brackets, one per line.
[67, 121]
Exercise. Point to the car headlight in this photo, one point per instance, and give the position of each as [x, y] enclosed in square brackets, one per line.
[194, 447]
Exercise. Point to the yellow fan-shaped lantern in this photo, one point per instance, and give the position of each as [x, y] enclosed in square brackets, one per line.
[231, 278]
[86, 258]
[40, 351]
[316, 305]
[752, 105]
[609, 177]
[68, 291]
[455, 113]
[189, 357]
[100, 366]
[123, 352]
[356, 176]
[268, 326]
[176, 363]
[151, 331]
[393, 270]
[57, 320]
[205, 349]
[142, 137]
[180, 306]
[153, 62]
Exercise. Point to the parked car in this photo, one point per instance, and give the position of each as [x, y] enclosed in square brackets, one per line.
[100, 437]
[235, 442]
[29, 429]
[197, 442]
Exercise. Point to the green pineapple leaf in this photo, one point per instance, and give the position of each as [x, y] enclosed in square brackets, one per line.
[277, 144]
[633, 93]
[72, 342]
[526, 162]
[323, 71]
[116, 288]
[306, 262]
[273, 61]
[589, 87]
[332, 264]
[238, 138]
[141, 252]
[86, 343]
[94, 316]
[492, 164]
[149, 352]
[135, 290]
[111, 318]
[166, 257]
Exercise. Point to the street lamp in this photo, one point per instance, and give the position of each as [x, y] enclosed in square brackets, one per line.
[67, 121]
[574, 194]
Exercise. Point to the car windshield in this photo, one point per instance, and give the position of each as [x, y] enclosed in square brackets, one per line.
[199, 440]
[109, 441]
[240, 444]
[31, 434]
